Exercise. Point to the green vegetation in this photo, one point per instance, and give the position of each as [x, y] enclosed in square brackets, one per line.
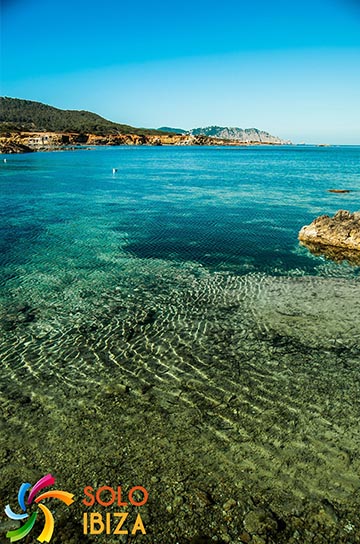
[172, 130]
[25, 115]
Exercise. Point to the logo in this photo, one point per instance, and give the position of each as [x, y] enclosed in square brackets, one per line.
[108, 523]
[25, 529]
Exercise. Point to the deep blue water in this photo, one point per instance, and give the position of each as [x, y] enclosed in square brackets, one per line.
[236, 209]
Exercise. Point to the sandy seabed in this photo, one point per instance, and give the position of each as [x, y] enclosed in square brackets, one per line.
[234, 400]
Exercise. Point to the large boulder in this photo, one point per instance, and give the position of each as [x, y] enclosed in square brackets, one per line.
[342, 230]
[337, 237]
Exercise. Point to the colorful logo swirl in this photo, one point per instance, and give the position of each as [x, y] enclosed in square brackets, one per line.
[25, 529]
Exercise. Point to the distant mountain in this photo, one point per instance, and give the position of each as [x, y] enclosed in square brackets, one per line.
[26, 115]
[232, 133]
[173, 130]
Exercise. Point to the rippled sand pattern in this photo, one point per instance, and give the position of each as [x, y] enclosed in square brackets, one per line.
[256, 377]
[162, 327]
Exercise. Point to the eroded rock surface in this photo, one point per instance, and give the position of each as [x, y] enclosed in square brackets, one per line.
[14, 147]
[341, 231]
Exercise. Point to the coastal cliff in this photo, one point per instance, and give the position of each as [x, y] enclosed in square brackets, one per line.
[22, 142]
[26, 125]
[242, 135]
[239, 134]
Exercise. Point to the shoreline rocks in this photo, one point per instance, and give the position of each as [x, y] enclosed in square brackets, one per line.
[53, 141]
[14, 147]
[332, 253]
[336, 237]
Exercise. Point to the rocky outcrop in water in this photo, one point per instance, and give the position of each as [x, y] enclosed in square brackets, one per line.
[336, 237]
[11, 147]
[332, 253]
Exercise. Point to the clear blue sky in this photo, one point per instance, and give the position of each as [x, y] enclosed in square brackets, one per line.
[291, 68]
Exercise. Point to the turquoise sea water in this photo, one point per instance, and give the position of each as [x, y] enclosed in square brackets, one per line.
[237, 209]
[166, 311]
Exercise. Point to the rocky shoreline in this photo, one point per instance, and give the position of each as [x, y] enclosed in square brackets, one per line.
[23, 142]
[337, 237]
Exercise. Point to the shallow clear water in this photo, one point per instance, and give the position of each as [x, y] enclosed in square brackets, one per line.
[230, 209]
[162, 325]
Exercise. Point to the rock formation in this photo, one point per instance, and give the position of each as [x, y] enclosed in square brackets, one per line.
[47, 141]
[337, 237]
[247, 135]
[23, 117]
[336, 254]
[244, 135]
[10, 147]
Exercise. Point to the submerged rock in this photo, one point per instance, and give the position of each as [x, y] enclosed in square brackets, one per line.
[337, 237]
[336, 254]
[260, 522]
